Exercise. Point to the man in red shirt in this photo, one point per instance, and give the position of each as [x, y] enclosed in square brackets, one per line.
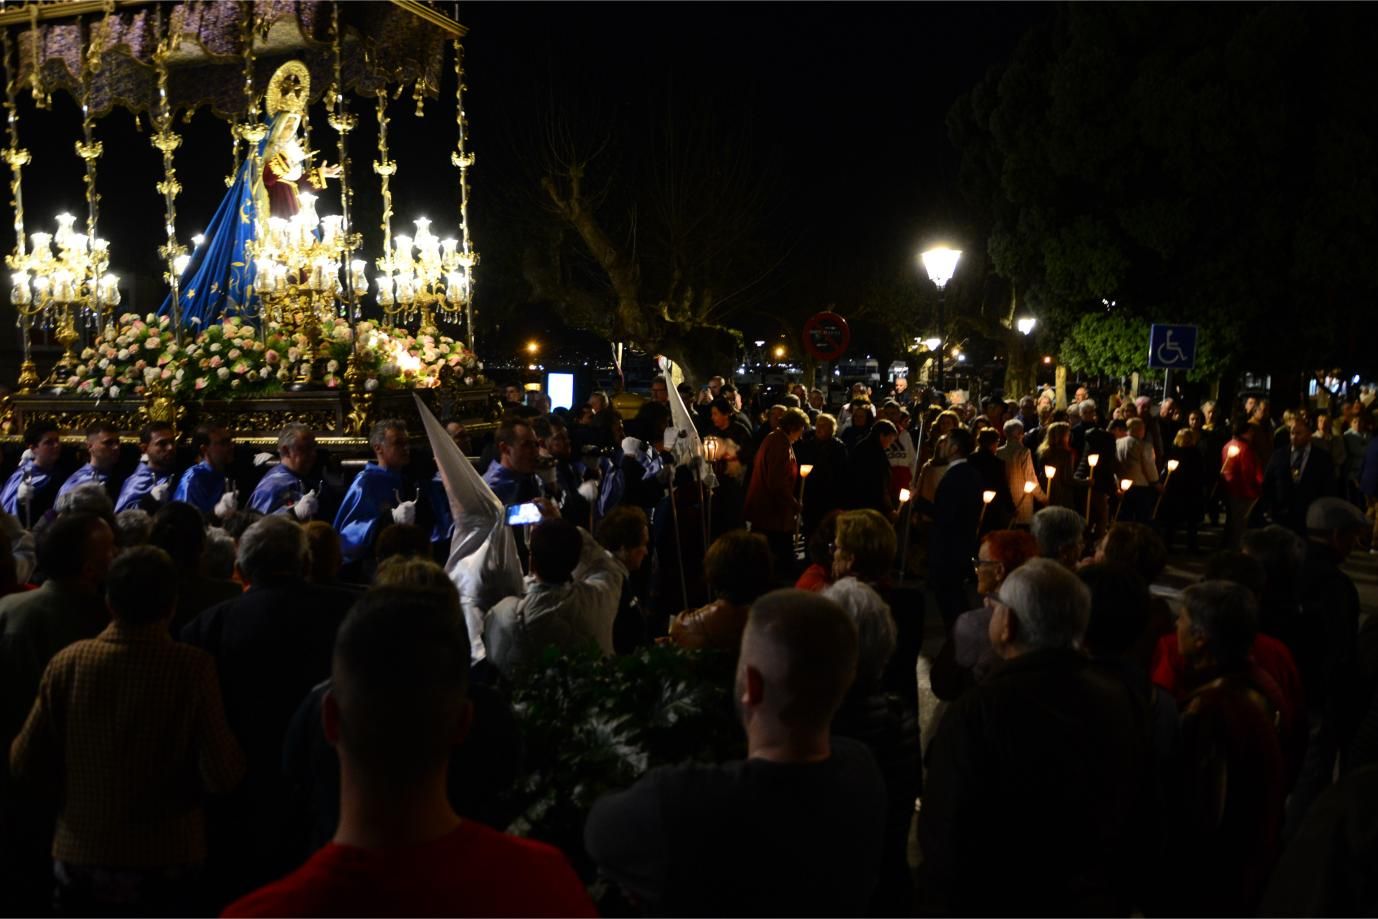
[396, 708]
[1241, 478]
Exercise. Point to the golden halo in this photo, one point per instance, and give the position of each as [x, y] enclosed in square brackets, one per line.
[289, 89]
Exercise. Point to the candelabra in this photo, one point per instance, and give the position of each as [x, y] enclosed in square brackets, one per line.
[297, 275]
[423, 275]
[62, 278]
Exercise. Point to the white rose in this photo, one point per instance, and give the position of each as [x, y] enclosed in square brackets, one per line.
[234, 384]
[266, 372]
[282, 374]
[370, 385]
[332, 366]
[103, 363]
[223, 372]
[215, 347]
[114, 392]
[123, 354]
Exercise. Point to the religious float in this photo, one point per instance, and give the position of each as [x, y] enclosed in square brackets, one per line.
[275, 313]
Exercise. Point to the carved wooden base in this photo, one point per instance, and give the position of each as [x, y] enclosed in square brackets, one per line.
[330, 413]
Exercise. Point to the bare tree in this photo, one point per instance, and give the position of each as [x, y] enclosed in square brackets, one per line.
[671, 224]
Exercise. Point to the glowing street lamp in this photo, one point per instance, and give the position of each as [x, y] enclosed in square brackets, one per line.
[532, 347]
[1025, 324]
[941, 264]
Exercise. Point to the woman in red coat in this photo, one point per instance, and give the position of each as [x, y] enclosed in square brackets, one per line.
[771, 504]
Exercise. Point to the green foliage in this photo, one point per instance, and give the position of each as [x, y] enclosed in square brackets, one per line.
[594, 724]
[1116, 345]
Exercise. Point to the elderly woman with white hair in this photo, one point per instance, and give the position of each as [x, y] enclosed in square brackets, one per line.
[883, 722]
[1041, 769]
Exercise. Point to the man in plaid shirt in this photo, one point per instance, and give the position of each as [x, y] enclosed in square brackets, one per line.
[127, 732]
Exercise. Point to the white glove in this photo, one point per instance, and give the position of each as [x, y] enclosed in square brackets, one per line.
[143, 458]
[306, 506]
[25, 493]
[404, 513]
[589, 490]
[227, 505]
[261, 459]
[25, 456]
[159, 491]
[631, 446]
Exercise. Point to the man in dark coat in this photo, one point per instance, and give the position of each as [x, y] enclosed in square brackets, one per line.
[1295, 476]
[956, 512]
[271, 646]
[1033, 802]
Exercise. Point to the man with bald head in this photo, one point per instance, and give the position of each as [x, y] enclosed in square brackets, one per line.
[796, 827]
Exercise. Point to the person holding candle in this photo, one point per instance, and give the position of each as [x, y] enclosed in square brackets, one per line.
[1241, 479]
[1138, 464]
[1055, 454]
[1020, 474]
[771, 506]
[1184, 498]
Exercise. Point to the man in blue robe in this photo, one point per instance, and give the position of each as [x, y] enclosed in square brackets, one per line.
[282, 490]
[512, 475]
[103, 445]
[32, 488]
[379, 495]
[151, 483]
[204, 485]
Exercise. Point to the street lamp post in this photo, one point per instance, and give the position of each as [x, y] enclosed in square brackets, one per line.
[941, 264]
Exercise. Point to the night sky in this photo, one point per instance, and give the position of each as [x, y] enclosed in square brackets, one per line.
[846, 105]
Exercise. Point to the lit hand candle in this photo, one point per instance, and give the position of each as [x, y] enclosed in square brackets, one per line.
[1049, 472]
[804, 470]
[1092, 460]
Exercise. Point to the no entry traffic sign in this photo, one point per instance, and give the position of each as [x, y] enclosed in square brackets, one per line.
[826, 336]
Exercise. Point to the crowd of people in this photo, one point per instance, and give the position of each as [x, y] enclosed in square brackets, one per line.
[288, 706]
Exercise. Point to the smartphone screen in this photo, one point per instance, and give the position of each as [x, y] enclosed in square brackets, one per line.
[523, 513]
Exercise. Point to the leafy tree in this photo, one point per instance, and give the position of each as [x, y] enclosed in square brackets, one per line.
[1187, 162]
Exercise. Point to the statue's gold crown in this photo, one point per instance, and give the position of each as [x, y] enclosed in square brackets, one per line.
[289, 89]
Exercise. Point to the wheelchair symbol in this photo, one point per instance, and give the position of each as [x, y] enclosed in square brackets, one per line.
[1169, 352]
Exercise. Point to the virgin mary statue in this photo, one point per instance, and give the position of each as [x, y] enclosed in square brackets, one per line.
[218, 279]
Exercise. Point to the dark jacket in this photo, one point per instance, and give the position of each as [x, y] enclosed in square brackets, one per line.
[825, 489]
[271, 646]
[1098, 441]
[1041, 771]
[956, 509]
[994, 478]
[890, 730]
[868, 473]
[1287, 499]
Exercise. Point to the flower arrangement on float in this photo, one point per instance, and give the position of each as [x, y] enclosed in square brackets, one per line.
[229, 360]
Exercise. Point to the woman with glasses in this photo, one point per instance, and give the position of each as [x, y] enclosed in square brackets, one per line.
[968, 657]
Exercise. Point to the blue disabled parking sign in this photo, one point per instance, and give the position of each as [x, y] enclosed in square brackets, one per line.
[1172, 347]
